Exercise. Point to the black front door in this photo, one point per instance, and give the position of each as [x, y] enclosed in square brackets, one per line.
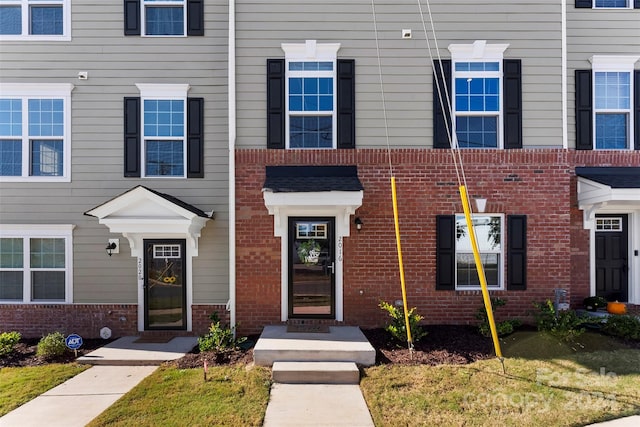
[311, 268]
[612, 257]
[165, 285]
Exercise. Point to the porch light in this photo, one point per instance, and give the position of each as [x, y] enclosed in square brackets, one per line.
[358, 223]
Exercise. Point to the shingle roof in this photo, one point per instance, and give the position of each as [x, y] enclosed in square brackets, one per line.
[614, 177]
[305, 179]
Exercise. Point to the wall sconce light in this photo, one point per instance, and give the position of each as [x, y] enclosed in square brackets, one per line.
[358, 223]
[481, 204]
[112, 247]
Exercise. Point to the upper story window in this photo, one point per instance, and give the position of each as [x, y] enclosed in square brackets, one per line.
[605, 110]
[477, 94]
[164, 18]
[36, 263]
[35, 19]
[607, 4]
[310, 102]
[35, 142]
[164, 133]
[311, 98]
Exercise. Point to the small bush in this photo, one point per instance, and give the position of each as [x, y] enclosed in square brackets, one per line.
[51, 346]
[564, 324]
[8, 341]
[502, 328]
[623, 326]
[397, 328]
[219, 337]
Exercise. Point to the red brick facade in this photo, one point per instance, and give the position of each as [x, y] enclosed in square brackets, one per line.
[538, 183]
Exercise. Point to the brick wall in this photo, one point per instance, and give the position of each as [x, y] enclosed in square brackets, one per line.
[536, 183]
[36, 320]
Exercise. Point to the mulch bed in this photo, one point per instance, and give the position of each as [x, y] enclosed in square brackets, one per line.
[444, 344]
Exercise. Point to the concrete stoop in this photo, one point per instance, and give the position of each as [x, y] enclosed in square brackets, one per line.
[315, 373]
[341, 344]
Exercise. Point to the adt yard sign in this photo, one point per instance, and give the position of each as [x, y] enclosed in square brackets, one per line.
[73, 341]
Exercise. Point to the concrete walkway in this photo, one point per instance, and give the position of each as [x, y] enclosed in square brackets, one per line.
[120, 366]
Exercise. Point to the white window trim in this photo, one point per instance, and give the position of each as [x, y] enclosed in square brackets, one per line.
[501, 267]
[28, 231]
[41, 90]
[25, 36]
[479, 51]
[308, 52]
[620, 64]
[150, 91]
[174, 3]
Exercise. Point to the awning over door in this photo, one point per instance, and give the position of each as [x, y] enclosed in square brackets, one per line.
[312, 191]
[141, 212]
[610, 187]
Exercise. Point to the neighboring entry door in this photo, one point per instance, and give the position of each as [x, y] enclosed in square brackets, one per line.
[612, 254]
[311, 268]
[164, 285]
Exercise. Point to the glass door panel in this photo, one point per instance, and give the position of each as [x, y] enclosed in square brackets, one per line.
[311, 268]
[165, 292]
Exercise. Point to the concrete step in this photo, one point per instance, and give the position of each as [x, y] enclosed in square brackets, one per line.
[341, 344]
[315, 373]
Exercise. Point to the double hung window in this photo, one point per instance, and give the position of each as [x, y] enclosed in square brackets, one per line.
[35, 19]
[164, 137]
[34, 132]
[488, 229]
[164, 17]
[35, 263]
[607, 4]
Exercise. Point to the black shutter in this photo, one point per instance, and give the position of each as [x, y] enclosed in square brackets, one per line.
[132, 137]
[195, 17]
[346, 101]
[195, 139]
[585, 4]
[636, 105]
[445, 252]
[275, 103]
[441, 117]
[512, 83]
[516, 252]
[584, 110]
[131, 17]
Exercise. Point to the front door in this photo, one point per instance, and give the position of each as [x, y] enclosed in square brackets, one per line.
[612, 254]
[164, 285]
[311, 268]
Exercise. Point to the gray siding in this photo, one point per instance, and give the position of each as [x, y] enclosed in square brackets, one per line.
[597, 32]
[532, 29]
[115, 63]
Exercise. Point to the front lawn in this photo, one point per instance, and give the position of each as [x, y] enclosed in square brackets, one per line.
[20, 385]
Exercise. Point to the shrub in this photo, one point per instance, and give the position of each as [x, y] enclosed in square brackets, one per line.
[564, 324]
[502, 328]
[220, 337]
[623, 326]
[51, 346]
[397, 328]
[8, 341]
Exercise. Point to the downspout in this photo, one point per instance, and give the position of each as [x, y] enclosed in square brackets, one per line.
[565, 141]
[231, 78]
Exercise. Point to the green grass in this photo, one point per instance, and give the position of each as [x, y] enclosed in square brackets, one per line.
[546, 383]
[20, 385]
[232, 396]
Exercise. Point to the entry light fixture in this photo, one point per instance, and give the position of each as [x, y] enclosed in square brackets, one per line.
[112, 247]
[358, 223]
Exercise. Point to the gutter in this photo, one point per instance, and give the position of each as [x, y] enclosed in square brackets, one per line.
[231, 87]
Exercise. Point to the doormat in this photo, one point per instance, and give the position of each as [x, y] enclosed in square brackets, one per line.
[317, 329]
[153, 340]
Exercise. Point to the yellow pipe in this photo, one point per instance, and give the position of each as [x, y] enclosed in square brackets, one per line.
[480, 268]
[402, 284]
